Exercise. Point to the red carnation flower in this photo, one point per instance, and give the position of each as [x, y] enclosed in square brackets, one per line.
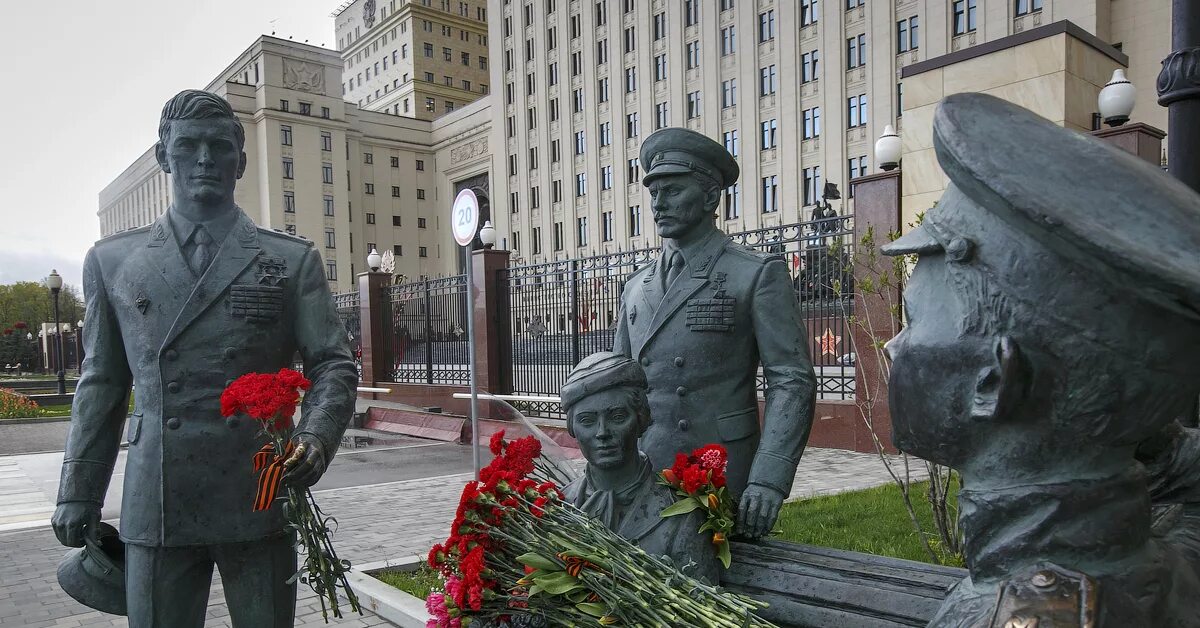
[497, 443]
[693, 478]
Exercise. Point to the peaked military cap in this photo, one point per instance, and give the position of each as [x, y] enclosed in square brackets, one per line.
[1081, 198]
[600, 371]
[677, 151]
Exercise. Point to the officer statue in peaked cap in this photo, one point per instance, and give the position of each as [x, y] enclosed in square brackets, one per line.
[179, 309]
[702, 319]
[1053, 317]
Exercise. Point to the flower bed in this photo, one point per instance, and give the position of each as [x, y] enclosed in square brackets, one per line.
[14, 405]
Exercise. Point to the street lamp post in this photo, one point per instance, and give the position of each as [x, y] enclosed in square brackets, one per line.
[55, 282]
[79, 347]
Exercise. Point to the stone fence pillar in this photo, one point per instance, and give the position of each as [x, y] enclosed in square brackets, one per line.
[490, 293]
[376, 350]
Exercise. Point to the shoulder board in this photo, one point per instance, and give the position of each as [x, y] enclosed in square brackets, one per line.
[128, 232]
[279, 233]
[747, 253]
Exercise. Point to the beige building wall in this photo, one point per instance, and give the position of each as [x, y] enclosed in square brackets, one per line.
[523, 129]
[415, 58]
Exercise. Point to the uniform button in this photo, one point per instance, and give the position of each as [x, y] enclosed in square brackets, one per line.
[232, 422]
[681, 391]
[172, 355]
[645, 361]
[173, 387]
[173, 423]
[684, 425]
[678, 361]
[230, 353]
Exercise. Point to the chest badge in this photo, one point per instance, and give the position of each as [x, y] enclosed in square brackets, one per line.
[142, 303]
[715, 313]
[272, 271]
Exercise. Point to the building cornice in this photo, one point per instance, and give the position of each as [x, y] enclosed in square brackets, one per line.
[415, 11]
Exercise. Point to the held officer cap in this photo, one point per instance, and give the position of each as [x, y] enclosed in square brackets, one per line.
[678, 151]
[601, 371]
[1063, 193]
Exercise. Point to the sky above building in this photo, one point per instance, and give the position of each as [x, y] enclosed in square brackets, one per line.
[83, 86]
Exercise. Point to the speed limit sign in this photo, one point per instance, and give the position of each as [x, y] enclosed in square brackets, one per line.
[464, 217]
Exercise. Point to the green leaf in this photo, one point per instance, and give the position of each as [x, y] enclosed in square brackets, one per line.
[537, 561]
[558, 583]
[592, 608]
[535, 589]
[723, 553]
[680, 508]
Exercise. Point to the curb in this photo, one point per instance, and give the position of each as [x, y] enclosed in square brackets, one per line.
[386, 601]
[30, 420]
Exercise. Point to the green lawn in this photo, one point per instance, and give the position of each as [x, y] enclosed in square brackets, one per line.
[415, 583]
[872, 521]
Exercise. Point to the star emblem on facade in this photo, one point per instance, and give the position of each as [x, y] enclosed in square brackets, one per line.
[829, 342]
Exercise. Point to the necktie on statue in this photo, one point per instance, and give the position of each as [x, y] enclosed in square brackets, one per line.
[201, 251]
[674, 267]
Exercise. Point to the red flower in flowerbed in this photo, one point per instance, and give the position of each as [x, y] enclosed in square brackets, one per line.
[699, 483]
[20, 325]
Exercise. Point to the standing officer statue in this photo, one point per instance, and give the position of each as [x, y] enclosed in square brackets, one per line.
[179, 309]
[701, 320]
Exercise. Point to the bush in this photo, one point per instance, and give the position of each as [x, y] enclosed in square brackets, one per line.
[14, 405]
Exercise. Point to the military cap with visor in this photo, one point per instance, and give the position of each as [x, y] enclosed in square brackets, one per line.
[683, 151]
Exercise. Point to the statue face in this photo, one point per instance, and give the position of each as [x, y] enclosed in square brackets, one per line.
[204, 159]
[932, 387]
[679, 203]
[605, 424]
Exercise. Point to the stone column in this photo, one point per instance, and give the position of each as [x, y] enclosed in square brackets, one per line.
[490, 294]
[876, 215]
[374, 315]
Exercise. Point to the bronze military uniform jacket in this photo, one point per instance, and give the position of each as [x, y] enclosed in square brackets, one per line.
[180, 342]
[701, 344]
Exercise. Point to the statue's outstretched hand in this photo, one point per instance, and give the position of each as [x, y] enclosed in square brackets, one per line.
[306, 465]
[758, 510]
[75, 521]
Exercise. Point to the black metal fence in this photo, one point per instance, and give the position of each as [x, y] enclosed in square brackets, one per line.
[559, 312]
[426, 329]
[347, 304]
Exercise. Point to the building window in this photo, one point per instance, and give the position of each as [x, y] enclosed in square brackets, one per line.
[606, 178]
[660, 68]
[398, 250]
[447, 54]
[577, 101]
[899, 99]
[395, 191]
[551, 75]
[576, 26]
[693, 105]
[535, 200]
[809, 12]
[693, 55]
[582, 235]
[733, 202]
[605, 133]
[305, 108]
[581, 184]
[326, 173]
[857, 106]
[728, 93]
[660, 26]
[369, 188]
[726, 5]
[326, 141]
[810, 69]
[331, 270]
[396, 222]
[395, 161]
[662, 119]
[691, 12]
[602, 90]
[558, 236]
[368, 158]
[283, 105]
[728, 40]
[812, 123]
[580, 143]
[535, 236]
[730, 140]
[635, 220]
[420, 164]
[555, 151]
[632, 126]
[285, 135]
[606, 226]
[630, 39]
[906, 35]
[576, 63]
[422, 251]
[858, 168]
[556, 191]
[770, 130]
[770, 198]
[330, 239]
[288, 173]
[428, 49]
[630, 80]
[420, 194]
[850, 4]
[327, 203]
[964, 16]
[633, 172]
[325, 112]
[1027, 6]
[766, 26]
[602, 52]
[601, 12]
[370, 219]
[289, 202]
[856, 51]
[767, 82]
[812, 185]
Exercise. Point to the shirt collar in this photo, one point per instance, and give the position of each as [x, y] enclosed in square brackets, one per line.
[218, 228]
[688, 251]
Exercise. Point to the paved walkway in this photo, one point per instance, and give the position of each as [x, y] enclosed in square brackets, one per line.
[382, 522]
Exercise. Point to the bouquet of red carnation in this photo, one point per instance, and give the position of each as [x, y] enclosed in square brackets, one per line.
[271, 398]
[699, 481]
[517, 548]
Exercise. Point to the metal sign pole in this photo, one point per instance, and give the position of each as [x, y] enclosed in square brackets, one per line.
[471, 353]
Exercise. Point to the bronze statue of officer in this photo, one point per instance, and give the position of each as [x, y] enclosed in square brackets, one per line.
[702, 319]
[1052, 320]
[179, 309]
